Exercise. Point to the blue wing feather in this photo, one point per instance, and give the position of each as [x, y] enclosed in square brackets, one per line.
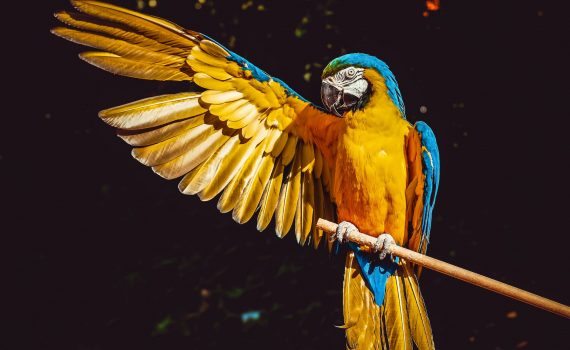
[431, 170]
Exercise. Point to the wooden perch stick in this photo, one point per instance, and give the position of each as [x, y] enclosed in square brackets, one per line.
[455, 272]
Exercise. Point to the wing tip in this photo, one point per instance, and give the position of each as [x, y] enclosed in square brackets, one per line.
[57, 31]
[59, 14]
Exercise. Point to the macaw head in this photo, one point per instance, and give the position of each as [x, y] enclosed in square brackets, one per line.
[349, 81]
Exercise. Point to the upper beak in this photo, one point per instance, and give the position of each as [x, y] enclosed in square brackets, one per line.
[337, 99]
[331, 96]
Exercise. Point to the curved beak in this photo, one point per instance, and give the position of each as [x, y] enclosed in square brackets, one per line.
[336, 99]
[331, 95]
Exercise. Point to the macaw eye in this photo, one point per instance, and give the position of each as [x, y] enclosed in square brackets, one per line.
[350, 72]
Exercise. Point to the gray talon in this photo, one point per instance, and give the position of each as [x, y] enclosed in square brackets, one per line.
[343, 229]
[383, 244]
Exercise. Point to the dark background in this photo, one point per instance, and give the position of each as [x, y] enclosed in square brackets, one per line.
[109, 256]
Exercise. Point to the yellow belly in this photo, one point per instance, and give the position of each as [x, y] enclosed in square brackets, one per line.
[370, 180]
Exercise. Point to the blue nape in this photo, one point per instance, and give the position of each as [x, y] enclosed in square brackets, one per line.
[374, 271]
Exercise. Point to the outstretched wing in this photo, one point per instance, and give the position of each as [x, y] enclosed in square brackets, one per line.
[247, 135]
[423, 184]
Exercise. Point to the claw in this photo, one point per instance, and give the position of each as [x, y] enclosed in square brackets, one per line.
[383, 244]
[343, 230]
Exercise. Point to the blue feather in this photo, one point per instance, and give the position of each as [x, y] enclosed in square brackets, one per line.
[431, 168]
[374, 271]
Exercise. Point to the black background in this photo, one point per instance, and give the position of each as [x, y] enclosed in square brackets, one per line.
[109, 256]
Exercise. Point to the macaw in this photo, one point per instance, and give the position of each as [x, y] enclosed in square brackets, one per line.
[266, 149]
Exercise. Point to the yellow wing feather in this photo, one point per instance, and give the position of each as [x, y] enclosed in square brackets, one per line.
[235, 189]
[287, 205]
[251, 197]
[420, 327]
[135, 69]
[154, 111]
[270, 196]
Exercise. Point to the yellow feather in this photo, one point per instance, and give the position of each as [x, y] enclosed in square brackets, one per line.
[250, 123]
[208, 59]
[368, 337]
[260, 86]
[252, 128]
[153, 27]
[153, 111]
[248, 111]
[329, 213]
[224, 110]
[207, 82]
[289, 150]
[234, 69]
[352, 297]
[118, 47]
[270, 196]
[280, 144]
[419, 322]
[218, 97]
[85, 22]
[213, 49]
[286, 118]
[250, 199]
[279, 91]
[193, 156]
[378, 319]
[134, 69]
[272, 118]
[272, 137]
[361, 314]
[199, 179]
[308, 157]
[234, 190]
[305, 208]
[214, 72]
[319, 211]
[165, 151]
[253, 95]
[147, 137]
[318, 163]
[287, 205]
[229, 166]
[396, 314]
[268, 93]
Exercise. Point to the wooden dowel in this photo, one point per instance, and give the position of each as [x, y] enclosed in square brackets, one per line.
[455, 272]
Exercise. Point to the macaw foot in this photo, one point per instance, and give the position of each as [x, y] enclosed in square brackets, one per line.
[344, 228]
[383, 244]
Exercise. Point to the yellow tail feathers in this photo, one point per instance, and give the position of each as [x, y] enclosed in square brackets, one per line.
[399, 322]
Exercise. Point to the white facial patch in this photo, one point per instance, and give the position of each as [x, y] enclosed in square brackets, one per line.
[345, 77]
[357, 88]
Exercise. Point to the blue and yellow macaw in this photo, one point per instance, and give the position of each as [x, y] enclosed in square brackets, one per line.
[265, 148]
